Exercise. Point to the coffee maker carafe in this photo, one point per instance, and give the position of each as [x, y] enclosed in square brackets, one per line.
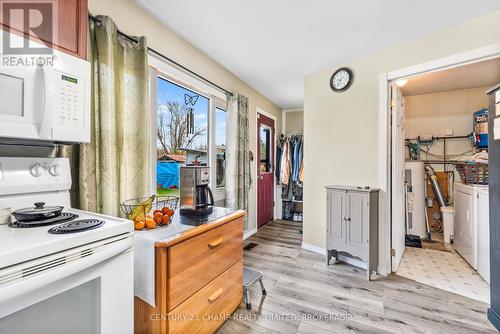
[196, 198]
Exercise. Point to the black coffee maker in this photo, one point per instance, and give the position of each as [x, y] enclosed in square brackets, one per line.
[196, 198]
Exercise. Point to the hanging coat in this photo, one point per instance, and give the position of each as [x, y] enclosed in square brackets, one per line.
[285, 164]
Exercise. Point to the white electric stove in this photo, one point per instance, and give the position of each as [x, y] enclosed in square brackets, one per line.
[74, 276]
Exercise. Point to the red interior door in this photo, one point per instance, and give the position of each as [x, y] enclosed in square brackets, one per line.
[265, 172]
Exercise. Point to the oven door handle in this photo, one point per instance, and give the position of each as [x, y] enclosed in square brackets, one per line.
[24, 285]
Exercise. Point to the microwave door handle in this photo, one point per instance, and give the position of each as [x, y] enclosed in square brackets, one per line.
[45, 129]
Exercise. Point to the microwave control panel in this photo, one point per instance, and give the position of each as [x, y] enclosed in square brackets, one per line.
[71, 101]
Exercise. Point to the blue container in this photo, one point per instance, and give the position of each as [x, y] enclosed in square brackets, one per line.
[480, 127]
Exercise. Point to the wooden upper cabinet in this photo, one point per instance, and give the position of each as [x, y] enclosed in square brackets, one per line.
[68, 35]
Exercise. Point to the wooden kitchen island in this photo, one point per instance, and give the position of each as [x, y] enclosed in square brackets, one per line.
[198, 278]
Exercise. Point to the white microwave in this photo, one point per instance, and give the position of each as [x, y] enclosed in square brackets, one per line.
[44, 97]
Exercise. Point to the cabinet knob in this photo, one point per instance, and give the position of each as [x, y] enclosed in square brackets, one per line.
[349, 219]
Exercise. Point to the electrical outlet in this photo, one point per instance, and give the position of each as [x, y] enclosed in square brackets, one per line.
[450, 132]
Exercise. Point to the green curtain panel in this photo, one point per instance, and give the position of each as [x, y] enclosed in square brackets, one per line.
[238, 178]
[117, 164]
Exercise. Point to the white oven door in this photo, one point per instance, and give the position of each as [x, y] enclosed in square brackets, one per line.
[87, 290]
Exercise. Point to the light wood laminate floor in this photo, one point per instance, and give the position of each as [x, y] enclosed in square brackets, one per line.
[306, 296]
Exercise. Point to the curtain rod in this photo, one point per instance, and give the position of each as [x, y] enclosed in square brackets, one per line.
[151, 50]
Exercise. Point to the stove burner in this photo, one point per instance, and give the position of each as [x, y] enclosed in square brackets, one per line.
[62, 218]
[76, 226]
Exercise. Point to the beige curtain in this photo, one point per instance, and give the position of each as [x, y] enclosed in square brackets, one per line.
[117, 164]
[238, 178]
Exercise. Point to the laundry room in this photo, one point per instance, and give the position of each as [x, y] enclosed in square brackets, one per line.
[440, 177]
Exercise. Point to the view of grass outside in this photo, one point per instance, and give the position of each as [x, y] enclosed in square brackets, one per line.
[167, 192]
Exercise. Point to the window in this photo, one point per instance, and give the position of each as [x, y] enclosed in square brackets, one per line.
[265, 165]
[190, 130]
[220, 142]
[182, 124]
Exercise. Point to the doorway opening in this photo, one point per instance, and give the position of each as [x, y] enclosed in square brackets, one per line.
[439, 185]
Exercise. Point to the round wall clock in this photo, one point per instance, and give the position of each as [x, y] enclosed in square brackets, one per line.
[341, 79]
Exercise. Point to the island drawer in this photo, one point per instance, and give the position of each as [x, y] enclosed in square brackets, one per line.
[209, 308]
[194, 263]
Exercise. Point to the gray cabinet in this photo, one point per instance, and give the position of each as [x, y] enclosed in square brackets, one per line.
[352, 224]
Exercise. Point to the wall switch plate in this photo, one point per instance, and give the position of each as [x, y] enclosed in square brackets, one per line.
[450, 132]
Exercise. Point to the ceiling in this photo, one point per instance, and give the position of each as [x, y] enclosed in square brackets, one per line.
[482, 74]
[273, 44]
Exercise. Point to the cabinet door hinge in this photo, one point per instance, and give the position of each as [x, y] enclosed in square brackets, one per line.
[393, 252]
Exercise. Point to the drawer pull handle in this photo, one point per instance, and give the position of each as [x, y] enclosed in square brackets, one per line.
[216, 242]
[215, 295]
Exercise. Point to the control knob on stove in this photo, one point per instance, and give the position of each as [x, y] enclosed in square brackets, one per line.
[55, 170]
[37, 170]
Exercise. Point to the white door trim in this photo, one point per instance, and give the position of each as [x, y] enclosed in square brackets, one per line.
[275, 190]
[385, 174]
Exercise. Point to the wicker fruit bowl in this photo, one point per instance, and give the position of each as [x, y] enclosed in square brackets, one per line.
[150, 212]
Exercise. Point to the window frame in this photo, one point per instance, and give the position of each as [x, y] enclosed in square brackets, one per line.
[217, 104]
[160, 69]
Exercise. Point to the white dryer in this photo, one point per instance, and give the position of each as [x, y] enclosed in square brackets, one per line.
[472, 226]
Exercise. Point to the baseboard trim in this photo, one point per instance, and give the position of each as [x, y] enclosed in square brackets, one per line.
[314, 249]
[494, 318]
[248, 234]
[343, 258]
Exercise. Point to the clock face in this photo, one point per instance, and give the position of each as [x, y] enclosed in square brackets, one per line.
[341, 79]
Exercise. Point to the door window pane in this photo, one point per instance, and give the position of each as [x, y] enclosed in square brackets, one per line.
[220, 142]
[265, 149]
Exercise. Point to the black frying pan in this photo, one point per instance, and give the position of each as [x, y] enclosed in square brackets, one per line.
[39, 212]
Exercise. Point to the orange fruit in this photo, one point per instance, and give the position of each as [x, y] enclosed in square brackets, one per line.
[139, 225]
[168, 211]
[157, 211]
[149, 216]
[150, 223]
[157, 217]
[165, 219]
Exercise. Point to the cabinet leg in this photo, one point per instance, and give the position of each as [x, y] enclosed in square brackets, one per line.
[329, 255]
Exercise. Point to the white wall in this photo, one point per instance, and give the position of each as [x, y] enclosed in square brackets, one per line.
[133, 20]
[432, 114]
[294, 121]
[342, 128]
